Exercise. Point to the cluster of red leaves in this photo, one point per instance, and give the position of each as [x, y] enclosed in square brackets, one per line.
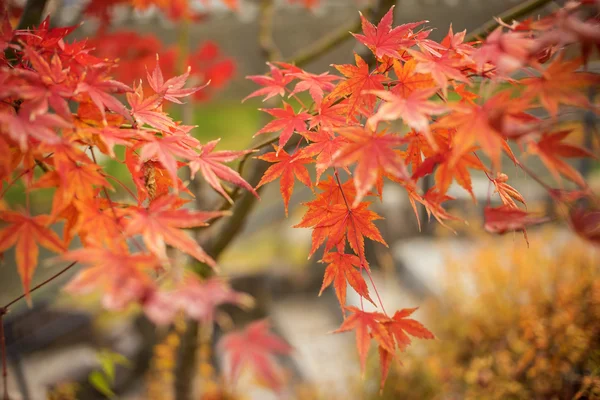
[59, 110]
[135, 51]
[448, 129]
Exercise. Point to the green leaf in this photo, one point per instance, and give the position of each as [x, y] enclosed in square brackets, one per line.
[100, 382]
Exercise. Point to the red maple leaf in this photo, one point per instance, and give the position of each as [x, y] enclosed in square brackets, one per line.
[255, 347]
[100, 89]
[286, 167]
[198, 298]
[210, 164]
[415, 110]
[315, 84]
[506, 218]
[382, 39]
[274, 85]
[26, 124]
[161, 224]
[287, 121]
[172, 89]
[148, 111]
[122, 277]
[324, 145]
[359, 80]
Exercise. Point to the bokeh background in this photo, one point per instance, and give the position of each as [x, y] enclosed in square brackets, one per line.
[511, 321]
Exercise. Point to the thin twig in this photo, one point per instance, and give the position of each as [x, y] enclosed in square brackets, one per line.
[514, 13]
[65, 269]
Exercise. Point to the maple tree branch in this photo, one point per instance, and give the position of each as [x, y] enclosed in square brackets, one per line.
[32, 14]
[514, 13]
[265, 31]
[326, 43]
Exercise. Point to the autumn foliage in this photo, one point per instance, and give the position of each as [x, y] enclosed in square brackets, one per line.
[511, 329]
[413, 108]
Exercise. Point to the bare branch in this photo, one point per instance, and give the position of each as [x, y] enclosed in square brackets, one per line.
[508, 16]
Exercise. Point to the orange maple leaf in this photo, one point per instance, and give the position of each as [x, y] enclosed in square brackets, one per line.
[160, 224]
[560, 83]
[286, 167]
[343, 269]
[367, 325]
[551, 148]
[359, 79]
[26, 232]
[409, 80]
[372, 152]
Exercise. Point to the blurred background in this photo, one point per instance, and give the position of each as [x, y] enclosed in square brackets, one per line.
[510, 321]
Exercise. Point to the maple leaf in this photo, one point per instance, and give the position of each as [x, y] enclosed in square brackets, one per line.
[287, 121]
[329, 115]
[315, 84]
[408, 80]
[342, 223]
[507, 193]
[441, 68]
[210, 164]
[359, 80]
[285, 167]
[122, 277]
[49, 86]
[560, 84]
[73, 182]
[415, 110]
[586, 222]
[324, 145]
[486, 124]
[507, 51]
[382, 39]
[100, 88]
[255, 347]
[446, 173]
[161, 224]
[25, 233]
[274, 85]
[172, 89]
[373, 152]
[151, 178]
[506, 218]
[147, 111]
[166, 148]
[551, 147]
[399, 327]
[342, 270]
[199, 299]
[25, 124]
[367, 324]
[455, 42]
